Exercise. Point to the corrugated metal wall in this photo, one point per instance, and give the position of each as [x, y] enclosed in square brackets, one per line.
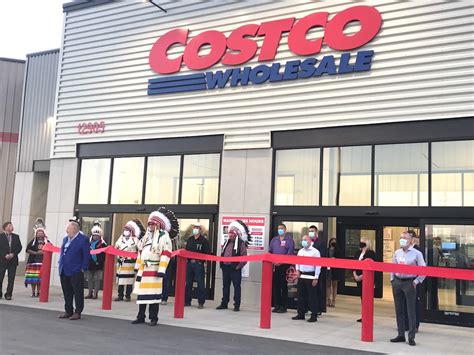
[38, 106]
[423, 69]
[11, 85]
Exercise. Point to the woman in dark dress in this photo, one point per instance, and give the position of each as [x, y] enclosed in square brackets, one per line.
[365, 252]
[333, 274]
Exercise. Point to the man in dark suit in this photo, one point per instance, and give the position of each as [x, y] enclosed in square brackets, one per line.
[10, 247]
[319, 244]
[73, 261]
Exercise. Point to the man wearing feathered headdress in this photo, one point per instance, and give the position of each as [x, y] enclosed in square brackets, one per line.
[128, 241]
[154, 255]
[235, 245]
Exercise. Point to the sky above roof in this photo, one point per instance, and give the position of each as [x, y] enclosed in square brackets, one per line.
[28, 26]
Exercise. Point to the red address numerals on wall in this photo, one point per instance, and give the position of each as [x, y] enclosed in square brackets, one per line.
[91, 127]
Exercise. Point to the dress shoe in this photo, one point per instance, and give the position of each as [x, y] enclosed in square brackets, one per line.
[138, 321]
[201, 306]
[359, 320]
[8, 298]
[236, 309]
[411, 342]
[75, 316]
[275, 310]
[313, 318]
[164, 303]
[298, 317]
[153, 323]
[65, 316]
[222, 306]
[281, 310]
[89, 296]
[398, 339]
[118, 299]
[128, 299]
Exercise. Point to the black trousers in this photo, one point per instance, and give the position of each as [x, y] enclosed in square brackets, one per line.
[280, 286]
[73, 290]
[195, 271]
[122, 288]
[153, 310]
[230, 275]
[404, 295]
[307, 296]
[11, 278]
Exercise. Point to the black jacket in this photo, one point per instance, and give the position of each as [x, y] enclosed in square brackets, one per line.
[369, 254]
[99, 264]
[6, 249]
[321, 246]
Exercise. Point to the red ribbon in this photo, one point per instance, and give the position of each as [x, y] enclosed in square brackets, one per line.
[367, 264]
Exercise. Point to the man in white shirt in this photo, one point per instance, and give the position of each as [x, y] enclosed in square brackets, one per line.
[308, 276]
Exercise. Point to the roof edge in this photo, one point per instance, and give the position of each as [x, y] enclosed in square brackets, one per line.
[49, 51]
[12, 60]
[83, 4]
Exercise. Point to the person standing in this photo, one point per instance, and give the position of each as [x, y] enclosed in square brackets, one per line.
[73, 262]
[95, 272]
[333, 274]
[128, 241]
[365, 252]
[319, 244]
[282, 244]
[34, 249]
[404, 288]
[196, 243]
[10, 247]
[308, 276]
[153, 258]
[235, 245]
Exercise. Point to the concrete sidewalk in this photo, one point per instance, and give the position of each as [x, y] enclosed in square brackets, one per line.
[335, 328]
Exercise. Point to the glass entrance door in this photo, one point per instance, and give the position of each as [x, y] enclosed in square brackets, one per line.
[349, 237]
[450, 245]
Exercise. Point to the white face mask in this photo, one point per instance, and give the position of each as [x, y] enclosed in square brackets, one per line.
[126, 234]
[403, 243]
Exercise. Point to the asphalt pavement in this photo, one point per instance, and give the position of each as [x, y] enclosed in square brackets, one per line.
[25, 331]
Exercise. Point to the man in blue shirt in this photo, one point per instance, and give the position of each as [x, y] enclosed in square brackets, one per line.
[282, 244]
[73, 261]
[404, 288]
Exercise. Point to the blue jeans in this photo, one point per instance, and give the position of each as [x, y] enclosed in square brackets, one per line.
[195, 271]
[230, 275]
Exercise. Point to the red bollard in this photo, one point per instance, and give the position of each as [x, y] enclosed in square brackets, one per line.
[108, 281]
[179, 287]
[45, 275]
[367, 333]
[266, 295]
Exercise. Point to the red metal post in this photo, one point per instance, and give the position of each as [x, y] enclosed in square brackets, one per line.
[367, 333]
[180, 286]
[108, 281]
[266, 295]
[45, 275]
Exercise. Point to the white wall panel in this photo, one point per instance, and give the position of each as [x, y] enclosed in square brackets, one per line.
[423, 69]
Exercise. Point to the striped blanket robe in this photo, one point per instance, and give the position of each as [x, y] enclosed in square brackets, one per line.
[153, 259]
[126, 266]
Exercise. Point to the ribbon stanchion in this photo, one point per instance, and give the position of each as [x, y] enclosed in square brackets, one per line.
[180, 287]
[108, 281]
[266, 295]
[367, 332]
[45, 271]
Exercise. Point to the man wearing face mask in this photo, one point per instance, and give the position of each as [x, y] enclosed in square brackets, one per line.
[365, 252]
[404, 288]
[308, 276]
[319, 244]
[128, 241]
[196, 243]
[282, 244]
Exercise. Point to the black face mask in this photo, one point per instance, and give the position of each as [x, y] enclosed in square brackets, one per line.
[362, 245]
[333, 244]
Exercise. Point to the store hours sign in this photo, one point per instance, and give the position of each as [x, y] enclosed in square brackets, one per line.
[240, 47]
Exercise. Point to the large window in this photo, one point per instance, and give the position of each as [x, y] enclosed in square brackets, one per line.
[297, 177]
[94, 181]
[452, 166]
[201, 179]
[347, 176]
[127, 181]
[162, 180]
[401, 175]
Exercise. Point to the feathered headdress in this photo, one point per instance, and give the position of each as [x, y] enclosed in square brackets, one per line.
[133, 228]
[97, 230]
[39, 226]
[140, 226]
[166, 220]
[241, 230]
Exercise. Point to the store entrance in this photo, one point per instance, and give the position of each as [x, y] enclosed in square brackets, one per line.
[383, 236]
